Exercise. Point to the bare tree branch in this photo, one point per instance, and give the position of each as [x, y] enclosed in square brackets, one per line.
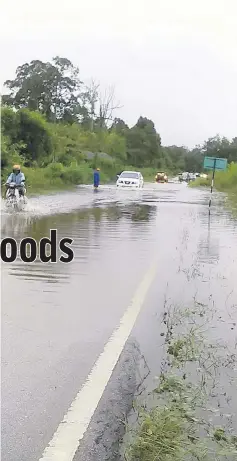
[91, 97]
[100, 104]
[107, 105]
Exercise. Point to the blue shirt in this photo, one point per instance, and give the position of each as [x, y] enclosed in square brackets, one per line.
[17, 178]
[96, 178]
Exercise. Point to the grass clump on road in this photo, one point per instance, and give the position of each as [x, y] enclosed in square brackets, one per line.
[162, 433]
[176, 421]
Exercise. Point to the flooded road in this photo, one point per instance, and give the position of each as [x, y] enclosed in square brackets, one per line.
[57, 318]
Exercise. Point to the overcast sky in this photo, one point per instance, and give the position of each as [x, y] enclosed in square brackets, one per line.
[174, 61]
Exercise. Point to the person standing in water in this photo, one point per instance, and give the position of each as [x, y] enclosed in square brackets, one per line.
[96, 178]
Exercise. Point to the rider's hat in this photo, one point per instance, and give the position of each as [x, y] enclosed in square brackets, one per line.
[16, 167]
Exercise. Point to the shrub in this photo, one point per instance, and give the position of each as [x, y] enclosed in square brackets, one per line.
[76, 174]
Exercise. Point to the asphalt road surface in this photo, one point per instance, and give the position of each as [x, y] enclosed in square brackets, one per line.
[77, 338]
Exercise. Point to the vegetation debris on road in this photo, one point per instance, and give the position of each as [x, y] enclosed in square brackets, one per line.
[182, 419]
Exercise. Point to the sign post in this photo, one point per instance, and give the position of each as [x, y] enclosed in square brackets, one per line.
[214, 163]
[212, 182]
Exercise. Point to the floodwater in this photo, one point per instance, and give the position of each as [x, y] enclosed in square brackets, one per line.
[57, 317]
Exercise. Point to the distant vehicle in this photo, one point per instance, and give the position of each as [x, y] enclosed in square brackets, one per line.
[184, 177]
[161, 177]
[192, 177]
[130, 179]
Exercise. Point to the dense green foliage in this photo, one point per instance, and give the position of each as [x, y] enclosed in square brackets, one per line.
[51, 120]
[225, 181]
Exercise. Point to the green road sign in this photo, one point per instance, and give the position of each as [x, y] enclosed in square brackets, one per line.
[211, 163]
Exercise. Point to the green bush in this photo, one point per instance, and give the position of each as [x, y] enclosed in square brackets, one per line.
[227, 179]
[54, 170]
[199, 182]
[77, 174]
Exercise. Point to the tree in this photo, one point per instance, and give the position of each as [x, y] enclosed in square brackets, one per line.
[119, 126]
[100, 106]
[10, 124]
[10, 154]
[107, 106]
[51, 88]
[27, 89]
[36, 136]
[233, 150]
[220, 147]
[90, 99]
[69, 142]
[115, 145]
[177, 155]
[144, 144]
[29, 132]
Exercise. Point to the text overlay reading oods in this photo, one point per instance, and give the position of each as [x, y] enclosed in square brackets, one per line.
[29, 250]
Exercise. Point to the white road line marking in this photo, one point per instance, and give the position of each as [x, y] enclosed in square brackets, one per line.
[71, 430]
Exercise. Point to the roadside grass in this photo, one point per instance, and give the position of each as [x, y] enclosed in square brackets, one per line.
[225, 181]
[56, 176]
[149, 174]
[176, 425]
[200, 182]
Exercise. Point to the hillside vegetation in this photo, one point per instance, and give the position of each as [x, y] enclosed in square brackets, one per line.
[51, 122]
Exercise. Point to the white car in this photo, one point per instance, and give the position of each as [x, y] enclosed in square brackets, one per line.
[130, 179]
[192, 176]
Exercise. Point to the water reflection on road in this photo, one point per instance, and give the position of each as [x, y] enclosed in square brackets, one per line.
[58, 317]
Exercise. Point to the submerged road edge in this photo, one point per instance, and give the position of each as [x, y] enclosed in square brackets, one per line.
[66, 439]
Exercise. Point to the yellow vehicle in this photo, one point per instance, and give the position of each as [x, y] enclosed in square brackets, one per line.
[161, 177]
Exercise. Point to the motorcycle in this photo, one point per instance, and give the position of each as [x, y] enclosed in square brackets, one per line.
[13, 197]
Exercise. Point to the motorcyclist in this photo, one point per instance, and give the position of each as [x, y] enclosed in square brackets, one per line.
[18, 178]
